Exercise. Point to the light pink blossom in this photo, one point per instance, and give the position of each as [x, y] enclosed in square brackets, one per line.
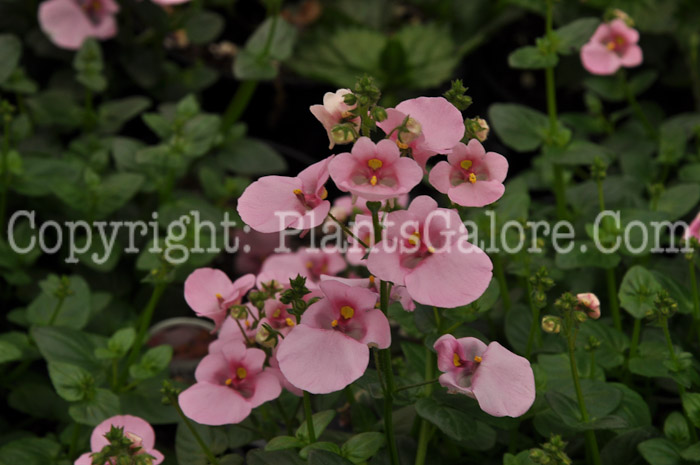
[470, 177]
[69, 22]
[230, 383]
[398, 293]
[375, 171]
[230, 330]
[274, 203]
[334, 111]
[612, 45]
[210, 293]
[425, 248]
[693, 230]
[439, 127]
[310, 263]
[329, 349]
[138, 430]
[590, 303]
[501, 382]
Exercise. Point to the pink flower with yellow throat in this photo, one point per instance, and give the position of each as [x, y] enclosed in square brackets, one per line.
[612, 46]
[69, 22]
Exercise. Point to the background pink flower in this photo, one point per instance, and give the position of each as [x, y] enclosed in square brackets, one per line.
[334, 111]
[375, 172]
[274, 203]
[329, 349]
[471, 177]
[425, 248]
[501, 382]
[612, 45]
[69, 22]
[441, 126]
[590, 303]
[210, 293]
[693, 229]
[230, 383]
[138, 429]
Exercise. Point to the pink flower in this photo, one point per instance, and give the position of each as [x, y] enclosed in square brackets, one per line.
[329, 349]
[471, 177]
[307, 262]
[398, 293]
[231, 331]
[69, 22]
[375, 172]
[138, 430]
[439, 127]
[277, 316]
[230, 383]
[259, 246]
[590, 303]
[274, 203]
[693, 230]
[425, 248]
[210, 293]
[612, 45]
[335, 111]
[501, 382]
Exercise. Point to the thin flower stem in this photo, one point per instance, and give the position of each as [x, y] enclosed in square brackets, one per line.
[417, 385]
[612, 297]
[202, 445]
[426, 429]
[57, 310]
[591, 442]
[534, 324]
[636, 108]
[502, 282]
[240, 326]
[309, 417]
[636, 331]
[347, 231]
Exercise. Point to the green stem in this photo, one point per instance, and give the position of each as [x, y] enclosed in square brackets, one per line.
[636, 331]
[534, 325]
[309, 417]
[426, 429]
[591, 370]
[601, 195]
[145, 322]
[416, 385]
[203, 445]
[636, 108]
[245, 336]
[696, 295]
[347, 231]
[57, 310]
[74, 441]
[502, 282]
[612, 297]
[591, 442]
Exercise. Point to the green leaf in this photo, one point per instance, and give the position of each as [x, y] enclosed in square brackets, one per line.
[637, 291]
[112, 115]
[691, 406]
[531, 57]
[72, 311]
[692, 453]
[71, 382]
[118, 345]
[454, 423]
[284, 442]
[251, 67]
[187, 449]
[679, 200]
[88, 64]
[659, 451]
[676, 428]
[324, 446]
[586, 254]
[10, 53]
[320, 421]
[325, 457]
[623, 447]
[519, 127]
[281, 44]
[30, 451]
[204, 26]
[362, 447]
[55, 107]
[93, 411]
[633, 409]
[115, 191]
[251, 157]
[153, 362]
[575, 34]
[431, 56]
[278, 457]
[68, 346]
[9, 352]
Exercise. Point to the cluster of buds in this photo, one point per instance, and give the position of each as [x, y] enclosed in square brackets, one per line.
[540, 283]
[476, 128]
[599, 169]
[123, 449]
[664, 307]
[551, 453]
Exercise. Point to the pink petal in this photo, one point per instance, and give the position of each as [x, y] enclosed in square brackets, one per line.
[619, 28]
[394, 119]
[479, 194]
[451, 278]
[341, 169]
[601, 34]
[270, 205]
[339, 294]
[439, 177]
[321, 361]
[378, 332]
[632, 56]
[65, 23]
[503, 384]
[131, 424]
[84, 459]
[313, 177]
[422, 206]
[326, 119]
[597, 59]
[267, 387]
[451, 380]
[312, 218]
[201, 289]
[497, 166]
[385, 263]
[441, 122]
[212, 404]
[214, 368]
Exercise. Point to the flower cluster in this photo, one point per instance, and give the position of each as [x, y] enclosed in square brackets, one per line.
[120, 437]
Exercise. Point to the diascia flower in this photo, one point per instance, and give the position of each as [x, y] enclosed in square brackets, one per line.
[471, 177]
[69, 22]
[138, 430]
[590, 303]
[375, 172]
[425, 248]
[612, 45]
[693, 230]
[230, 383]
[501, 382]
[210, 293]
[274, 203]
[434, 126]
[329, 348]
[335, 111]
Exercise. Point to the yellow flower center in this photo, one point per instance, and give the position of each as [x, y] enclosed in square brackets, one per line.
[334, 323]
[466, 164]
[277, 313]
[219, 297]
[247, 324]
[309, 265]
[371, 279]
[472, 178]
[431, 249]
[477, 359]
[373, 180]
[374, 163]
[456, 361]
[414, 239]
[324, 194]
[297, 192]
[610, 45]
[289, 322]
[401, 145]
[347, 312]
[228, 382]
[241, 373]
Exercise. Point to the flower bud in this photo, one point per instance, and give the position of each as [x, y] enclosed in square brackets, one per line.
[238, 312]
[551, 324]
[379, 114]
[350, 99]
[580, 316]
[410, 131]
[343, 134]
[264, 338]
[590, 304]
